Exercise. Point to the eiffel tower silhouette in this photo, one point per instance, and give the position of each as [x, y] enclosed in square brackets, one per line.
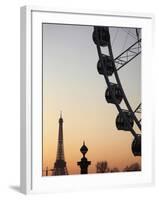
[60, 163]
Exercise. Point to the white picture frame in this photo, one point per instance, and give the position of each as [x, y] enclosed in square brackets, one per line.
[31, 104]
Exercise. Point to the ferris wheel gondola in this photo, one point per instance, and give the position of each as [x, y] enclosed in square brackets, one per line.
[115, 89]
[136, 145]
[101, 36]
[108, 65]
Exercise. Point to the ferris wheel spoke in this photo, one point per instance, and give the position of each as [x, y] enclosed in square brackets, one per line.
[134, 36]
[138, 109]
[128, 55]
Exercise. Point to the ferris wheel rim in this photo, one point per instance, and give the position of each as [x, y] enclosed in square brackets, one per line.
[129, 108]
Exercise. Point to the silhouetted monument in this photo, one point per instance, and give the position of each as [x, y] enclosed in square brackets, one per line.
[84, 163]
[60, 164]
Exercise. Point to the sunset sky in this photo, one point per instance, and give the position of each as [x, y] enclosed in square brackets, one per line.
[71, 84]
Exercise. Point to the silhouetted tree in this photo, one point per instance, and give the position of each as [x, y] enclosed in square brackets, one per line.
[132, 167]
[115, 169]
[102, 167]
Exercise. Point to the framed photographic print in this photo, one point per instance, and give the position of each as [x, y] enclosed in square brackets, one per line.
[86, 100]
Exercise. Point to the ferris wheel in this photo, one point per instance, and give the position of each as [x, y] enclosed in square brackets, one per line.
[108, 66]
